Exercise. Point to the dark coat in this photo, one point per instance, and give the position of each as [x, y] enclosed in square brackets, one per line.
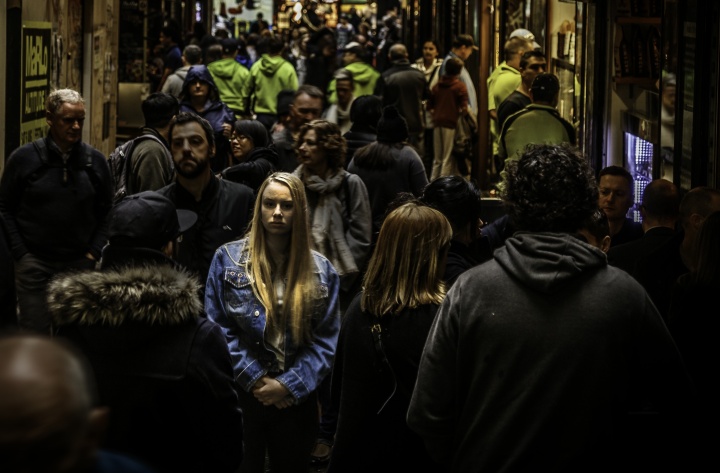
[260, 164]
[462, 257]
[626, 255]
[285, 148]
[224, 213]
[658, 271]
[8, 301]
[57, 211]
[367, 440]
[161, 367]
[354, 140]
[405, 87]
[630, 231]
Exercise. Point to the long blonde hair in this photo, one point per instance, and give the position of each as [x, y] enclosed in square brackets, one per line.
[405, 270]
[301, 285]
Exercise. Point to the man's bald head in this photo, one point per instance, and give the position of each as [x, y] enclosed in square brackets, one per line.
[45, 406]
[397, 52]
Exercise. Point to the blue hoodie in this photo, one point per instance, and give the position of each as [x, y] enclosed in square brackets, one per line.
[215, 112]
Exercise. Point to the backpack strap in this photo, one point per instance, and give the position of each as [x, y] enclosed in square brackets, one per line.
[41, 149]
[94, 178]
[382, 362]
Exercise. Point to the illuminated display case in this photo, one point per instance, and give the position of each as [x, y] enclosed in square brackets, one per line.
[641, 151]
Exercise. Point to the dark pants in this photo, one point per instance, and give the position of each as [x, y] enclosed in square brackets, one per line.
[329, 406]
[32, 275]
[288, 435]
[429, 154]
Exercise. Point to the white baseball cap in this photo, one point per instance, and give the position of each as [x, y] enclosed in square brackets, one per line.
[525, 34]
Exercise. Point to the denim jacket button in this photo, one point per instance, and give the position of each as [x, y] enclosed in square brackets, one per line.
[257, 312]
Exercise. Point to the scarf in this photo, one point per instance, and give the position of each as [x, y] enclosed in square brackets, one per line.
[327, 223]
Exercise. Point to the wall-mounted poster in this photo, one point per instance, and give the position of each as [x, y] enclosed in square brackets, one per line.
[35, 79]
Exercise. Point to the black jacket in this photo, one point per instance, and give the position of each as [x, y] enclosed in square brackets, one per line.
[53, 209]
[223, 215]
[162, 368]
[260, 164]
[355, 140]
[405, 87]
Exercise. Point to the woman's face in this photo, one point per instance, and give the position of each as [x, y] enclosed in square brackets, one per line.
[311, 153]
[277, 209]
[241, 146]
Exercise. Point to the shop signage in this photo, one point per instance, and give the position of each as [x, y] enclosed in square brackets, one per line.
[35, 79]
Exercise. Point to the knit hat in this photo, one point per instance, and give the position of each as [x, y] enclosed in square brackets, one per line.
[392, 127]
[147, 220]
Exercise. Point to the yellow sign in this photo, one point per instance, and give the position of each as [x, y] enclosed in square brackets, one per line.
[35, 79]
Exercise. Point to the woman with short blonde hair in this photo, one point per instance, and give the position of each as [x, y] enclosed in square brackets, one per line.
[381, 340]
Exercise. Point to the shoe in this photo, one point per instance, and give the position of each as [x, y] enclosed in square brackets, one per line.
[321, 453]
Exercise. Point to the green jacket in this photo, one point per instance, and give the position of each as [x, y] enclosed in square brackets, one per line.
[233, 82]
[502, 82]
[364, 77]
[268, 77]
[536, 124]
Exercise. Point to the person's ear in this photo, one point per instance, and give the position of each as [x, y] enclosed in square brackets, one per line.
[605, 243]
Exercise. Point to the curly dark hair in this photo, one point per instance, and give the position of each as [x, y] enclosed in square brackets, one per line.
[551, 188]
[329, 138]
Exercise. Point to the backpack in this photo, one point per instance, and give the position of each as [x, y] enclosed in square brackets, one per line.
[119, 161]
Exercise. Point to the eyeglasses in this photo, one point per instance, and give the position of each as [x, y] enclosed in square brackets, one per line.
[238, 137]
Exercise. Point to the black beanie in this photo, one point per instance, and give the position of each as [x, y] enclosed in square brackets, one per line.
[392, 127]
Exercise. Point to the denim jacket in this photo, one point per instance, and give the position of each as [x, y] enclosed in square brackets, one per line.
[231, 303]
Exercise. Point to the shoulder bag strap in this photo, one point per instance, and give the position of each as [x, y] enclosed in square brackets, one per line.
[376, 331]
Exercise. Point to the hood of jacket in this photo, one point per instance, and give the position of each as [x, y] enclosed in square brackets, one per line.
[546, 262]
[202, 73]
[224, 68]
[362, 72]
[269, 65]
[182, 72]
[145, 294]
[267, 153]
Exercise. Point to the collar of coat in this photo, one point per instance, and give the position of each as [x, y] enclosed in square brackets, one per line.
[147, 294]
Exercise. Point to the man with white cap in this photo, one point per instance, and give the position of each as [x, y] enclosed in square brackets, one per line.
[506, 78]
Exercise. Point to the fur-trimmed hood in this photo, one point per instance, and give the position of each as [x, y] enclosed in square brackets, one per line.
[152, 295]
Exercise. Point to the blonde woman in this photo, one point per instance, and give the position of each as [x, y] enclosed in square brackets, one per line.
[381, 341]
[277, 303]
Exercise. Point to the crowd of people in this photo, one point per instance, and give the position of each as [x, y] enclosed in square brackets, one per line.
[284, 286]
